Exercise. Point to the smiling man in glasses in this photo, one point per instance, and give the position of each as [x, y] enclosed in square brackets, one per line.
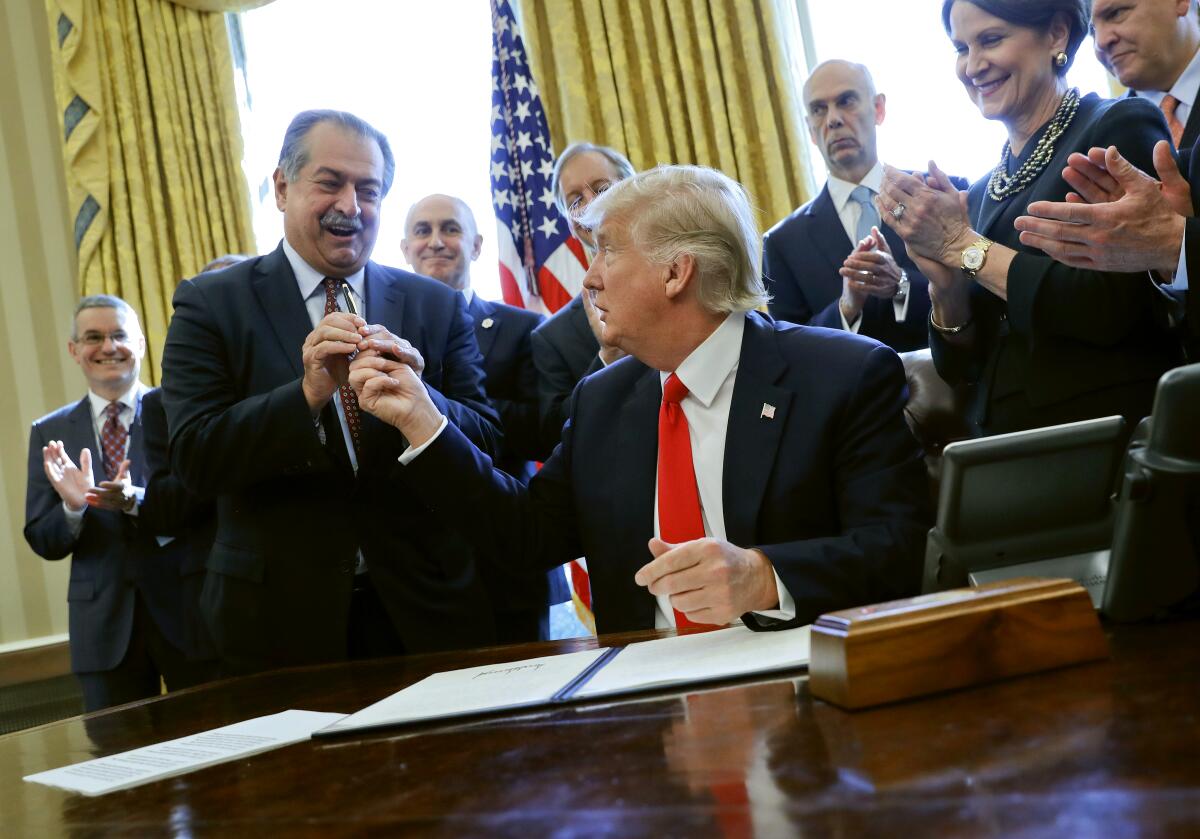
[567, 347]
[96, 492]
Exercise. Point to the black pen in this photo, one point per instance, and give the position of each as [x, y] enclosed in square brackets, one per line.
[350, 307]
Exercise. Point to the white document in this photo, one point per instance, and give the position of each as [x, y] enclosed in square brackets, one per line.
[704, 656]
[186, 754]
[514, 684]
[538, 682]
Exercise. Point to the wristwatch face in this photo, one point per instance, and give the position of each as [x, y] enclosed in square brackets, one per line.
[972, 258]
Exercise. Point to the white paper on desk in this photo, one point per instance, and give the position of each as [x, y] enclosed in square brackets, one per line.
[513, 684]
[699, 657]
[186, 754]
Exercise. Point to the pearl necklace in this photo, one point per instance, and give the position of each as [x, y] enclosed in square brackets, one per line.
[1001, 185]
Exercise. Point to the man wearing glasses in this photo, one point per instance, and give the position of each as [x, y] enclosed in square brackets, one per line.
[132, 593]
[567, 346]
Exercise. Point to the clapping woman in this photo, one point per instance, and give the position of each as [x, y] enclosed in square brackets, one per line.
[1036, 342]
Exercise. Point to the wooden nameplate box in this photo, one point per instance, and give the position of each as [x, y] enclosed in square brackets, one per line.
[952, 639]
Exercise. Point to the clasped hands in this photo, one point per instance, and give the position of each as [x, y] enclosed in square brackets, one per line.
[869, 271]
[74, 484]
[933, 223]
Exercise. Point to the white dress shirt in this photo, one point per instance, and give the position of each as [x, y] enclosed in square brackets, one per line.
[99, 407]
[848, 213]
[708, 373]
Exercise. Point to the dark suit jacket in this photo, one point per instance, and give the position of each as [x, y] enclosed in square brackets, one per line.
[801, 258]
[115, 554]
[291, 513]
[1068, 344]
[564, 351]
[831, 488]
[503, 333]
[1188, 302]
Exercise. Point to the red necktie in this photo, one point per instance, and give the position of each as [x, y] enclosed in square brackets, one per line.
[1169, 104]
[112, 437]
[679, 517]
[349, 398]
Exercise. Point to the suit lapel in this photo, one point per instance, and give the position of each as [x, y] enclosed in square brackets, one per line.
[82, 435]
[384, 305]
[137, 450]
[1192, 129]
[274, 284]
[757, 416]
[637, 481]
[481, 310]
[830, 240]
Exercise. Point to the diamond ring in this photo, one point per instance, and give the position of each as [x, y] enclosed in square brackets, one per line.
[898, 211]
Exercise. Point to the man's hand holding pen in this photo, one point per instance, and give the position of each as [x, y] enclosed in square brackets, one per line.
[392, 390]
[339, 338]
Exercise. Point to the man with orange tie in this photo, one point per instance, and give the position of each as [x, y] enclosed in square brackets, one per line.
[132, 593]
[1153, 48]
[730, 467]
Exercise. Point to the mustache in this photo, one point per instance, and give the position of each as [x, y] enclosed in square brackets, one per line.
[338, 219]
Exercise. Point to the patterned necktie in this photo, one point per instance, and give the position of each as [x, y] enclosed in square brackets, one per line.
[113, 436]
[679, 516]
[868, 216]
[1168, 104]
[349, 398]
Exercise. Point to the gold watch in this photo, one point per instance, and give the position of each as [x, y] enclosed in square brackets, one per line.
[974, 256]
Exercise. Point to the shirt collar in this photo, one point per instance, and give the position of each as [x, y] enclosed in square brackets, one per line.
[128, 399]
[708, 366]
[840, 190]
[1184, 88]
[308, 278]
[468, 293]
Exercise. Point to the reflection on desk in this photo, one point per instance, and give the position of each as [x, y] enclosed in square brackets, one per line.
[1099, 749]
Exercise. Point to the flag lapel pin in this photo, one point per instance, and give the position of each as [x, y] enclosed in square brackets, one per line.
[768, 411]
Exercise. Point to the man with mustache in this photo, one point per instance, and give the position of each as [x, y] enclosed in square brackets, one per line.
[1153, 48]
[323, 550]
[831, 263]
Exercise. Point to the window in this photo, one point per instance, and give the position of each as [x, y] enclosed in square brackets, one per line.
[419, 72]
[928, 113]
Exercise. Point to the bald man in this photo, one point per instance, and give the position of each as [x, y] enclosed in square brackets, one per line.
[441, 240]
[831, 263]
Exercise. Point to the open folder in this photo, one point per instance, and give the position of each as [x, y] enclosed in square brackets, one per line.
[573, 677]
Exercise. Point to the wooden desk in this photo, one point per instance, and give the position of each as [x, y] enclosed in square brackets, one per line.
[1108, 749]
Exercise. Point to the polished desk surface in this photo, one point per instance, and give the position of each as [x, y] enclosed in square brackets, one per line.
[1105, 749]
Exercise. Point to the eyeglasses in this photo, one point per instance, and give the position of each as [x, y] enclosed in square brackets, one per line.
[96, 339]
[593, 190]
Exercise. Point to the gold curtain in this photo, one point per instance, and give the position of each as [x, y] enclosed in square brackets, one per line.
[675, 81]
[152, 146]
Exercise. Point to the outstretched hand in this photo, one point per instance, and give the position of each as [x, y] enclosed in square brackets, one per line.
[1140, 229]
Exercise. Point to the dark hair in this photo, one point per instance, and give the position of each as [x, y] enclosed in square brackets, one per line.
[1038, 15]
[294, 155]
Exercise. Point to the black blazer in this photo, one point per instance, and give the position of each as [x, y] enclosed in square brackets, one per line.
[291, 513]
[504, 337]
[801, 258]
[831, 488]
[115, 555]
[1068, 344]
[564, 351]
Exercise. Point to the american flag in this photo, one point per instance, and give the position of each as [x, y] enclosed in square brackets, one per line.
[541, 263]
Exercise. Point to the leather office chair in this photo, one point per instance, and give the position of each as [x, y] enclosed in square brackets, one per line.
[934, 412]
